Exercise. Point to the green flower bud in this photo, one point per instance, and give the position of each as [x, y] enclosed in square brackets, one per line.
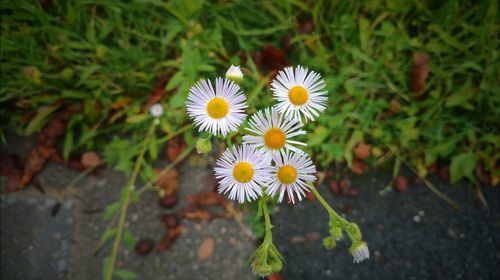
[336, 233]
[353, 231]
[329, 243]
[203, 146]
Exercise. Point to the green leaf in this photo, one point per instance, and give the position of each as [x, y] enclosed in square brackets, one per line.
[137, 118]
[106, 267]
[129, 238]
[153, 147]
[125, 274]
[68, 145]
[462, 165]
[108, 234]
[318, 136]
[175, 80]
[86, 74]
[334, 149]
[75, 94]
[111, 209]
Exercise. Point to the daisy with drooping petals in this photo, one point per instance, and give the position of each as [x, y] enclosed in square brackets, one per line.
[359, 251]
[273, 131]
[299, 91]
[219, 111]
[291, 173]
[243, 172]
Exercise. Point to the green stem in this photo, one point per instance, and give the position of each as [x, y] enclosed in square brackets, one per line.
[267, 219]
[175, 133]
[123, 213]
[330, 210]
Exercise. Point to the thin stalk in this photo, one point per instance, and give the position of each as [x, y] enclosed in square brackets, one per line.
[327, 207]
[123, 213]
[267, 219]
[175, 133]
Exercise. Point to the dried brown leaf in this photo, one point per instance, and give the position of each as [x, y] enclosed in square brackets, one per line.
[420, 71]
[206, 249]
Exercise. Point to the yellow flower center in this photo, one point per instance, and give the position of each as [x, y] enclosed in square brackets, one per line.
[298, 95]
[217, 108]
[287, 174]
[243, 172]
[275, 138]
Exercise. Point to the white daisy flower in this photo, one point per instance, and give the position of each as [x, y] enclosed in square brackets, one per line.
[299, 92]
[243, 173]
[359, 252]
[156, 110]
[273, 131]
[219, 111]
[291, 173]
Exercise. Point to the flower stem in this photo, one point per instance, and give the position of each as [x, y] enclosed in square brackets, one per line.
[126, 201]
[267, 219]
[330, 210]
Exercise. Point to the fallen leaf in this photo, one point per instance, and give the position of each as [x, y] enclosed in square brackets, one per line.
[358, 167]
[44, 148]
[444, 172]
[169, 220]
[306, 27]
[400, 183]
[310, 196]
[12, 182]
[212, 183]
[352, 193]
[334, 187]
[481, 174]
[175, 147]
[420, 73]
[274, 276]
[311, 236]
[169, 238]
[432, 168]
[90, 159]
[168, 181]
[168, 201]
[159, 90]
[348, 208]
[10, 165]
[345, 184]
[194, 203]
[144, 247]
[206, 249]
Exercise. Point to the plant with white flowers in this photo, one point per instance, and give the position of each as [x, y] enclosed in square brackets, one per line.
[270, 162]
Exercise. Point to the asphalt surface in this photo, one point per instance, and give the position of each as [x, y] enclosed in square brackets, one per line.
[413, 235]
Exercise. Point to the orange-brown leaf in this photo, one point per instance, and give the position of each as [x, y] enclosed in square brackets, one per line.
[206, 249]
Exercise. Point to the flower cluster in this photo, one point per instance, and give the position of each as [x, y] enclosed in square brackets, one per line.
[270, 161]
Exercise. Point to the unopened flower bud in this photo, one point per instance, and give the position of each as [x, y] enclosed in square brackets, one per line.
[336, 233]
[359, 251]
[329, 243]
[203, 146]
[234, 74]
[353, 231]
